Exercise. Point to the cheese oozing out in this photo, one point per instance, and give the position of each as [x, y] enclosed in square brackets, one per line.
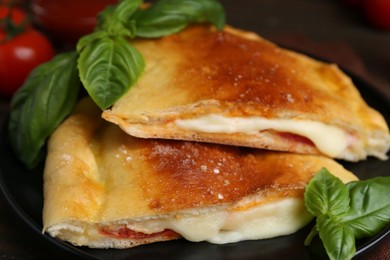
[268, 220]
[330, 140]
[281, 217]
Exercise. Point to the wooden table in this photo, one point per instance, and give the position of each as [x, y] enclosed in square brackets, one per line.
[324, 28]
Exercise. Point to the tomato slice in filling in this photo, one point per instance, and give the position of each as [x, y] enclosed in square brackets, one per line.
[296, 138]
[124, 232]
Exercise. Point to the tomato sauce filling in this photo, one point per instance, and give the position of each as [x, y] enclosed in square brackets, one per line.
[296, 138]
[126, 233]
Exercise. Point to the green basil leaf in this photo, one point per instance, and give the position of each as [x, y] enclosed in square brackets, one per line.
[326, 194]
[45, 99]
[108, 67]
[338, 239]
[126, 8]
[87, 39]
[370, 206]
[170, 16]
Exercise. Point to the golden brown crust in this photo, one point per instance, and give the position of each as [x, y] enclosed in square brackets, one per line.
[95, 173]
[235, 73]
[71, 172]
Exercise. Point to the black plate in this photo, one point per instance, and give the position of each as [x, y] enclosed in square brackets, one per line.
[23, 191]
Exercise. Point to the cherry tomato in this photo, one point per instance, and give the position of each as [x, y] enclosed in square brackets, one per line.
[68, 20]
[378, 12]
[19, 55]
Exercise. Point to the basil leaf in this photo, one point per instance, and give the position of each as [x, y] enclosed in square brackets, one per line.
[125, 9]
[108, 67]
[338, 239]
[45, 99]
[326, 194]
[170, 16]
[370, 206]
[87, 39]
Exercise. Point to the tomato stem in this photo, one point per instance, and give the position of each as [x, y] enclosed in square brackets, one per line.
[10, 27]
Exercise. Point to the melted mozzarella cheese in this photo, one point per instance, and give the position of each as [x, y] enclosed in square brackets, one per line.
[330, 140]
[259, 222]
[282, 217]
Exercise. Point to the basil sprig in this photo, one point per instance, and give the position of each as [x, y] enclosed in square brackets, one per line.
[104, 61]
[46, 98]
[348, 212]
[109, 65]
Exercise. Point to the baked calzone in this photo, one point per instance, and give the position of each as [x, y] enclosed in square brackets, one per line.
[234, 87]
[106, 189]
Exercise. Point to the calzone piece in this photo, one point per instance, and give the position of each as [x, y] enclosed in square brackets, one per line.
[106, 189]
[233, 87]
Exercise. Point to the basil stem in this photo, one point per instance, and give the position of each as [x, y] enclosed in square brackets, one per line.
[114, 19]
[41, 104]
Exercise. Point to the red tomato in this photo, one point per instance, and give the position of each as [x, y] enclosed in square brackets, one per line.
[19, 56]
[378, 12]
[68, 20]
